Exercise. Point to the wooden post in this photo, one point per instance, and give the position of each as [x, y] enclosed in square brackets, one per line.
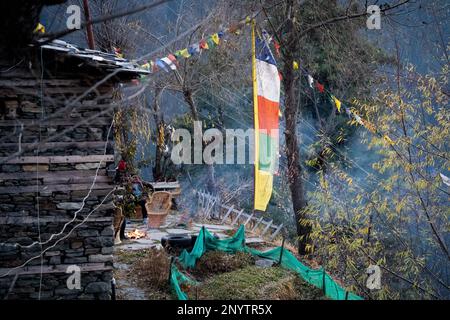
[323, 283]
[170, 269]
[281, 253]
[113, 289]
[204, 237]
[89, 32]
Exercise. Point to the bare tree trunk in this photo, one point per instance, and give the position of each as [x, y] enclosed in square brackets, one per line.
[158, 174]
[296, 186]
[211, 183]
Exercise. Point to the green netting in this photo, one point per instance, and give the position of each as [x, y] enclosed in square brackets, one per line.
[318, 278]
[207, 241]
[177, 279]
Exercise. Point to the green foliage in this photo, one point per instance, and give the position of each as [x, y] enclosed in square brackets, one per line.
[398, 217]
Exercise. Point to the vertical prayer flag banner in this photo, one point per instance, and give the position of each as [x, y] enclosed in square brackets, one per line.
[266, 96]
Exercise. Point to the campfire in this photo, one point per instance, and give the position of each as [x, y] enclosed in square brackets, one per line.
[136, 234]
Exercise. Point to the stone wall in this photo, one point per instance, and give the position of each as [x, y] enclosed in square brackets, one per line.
[44, 186]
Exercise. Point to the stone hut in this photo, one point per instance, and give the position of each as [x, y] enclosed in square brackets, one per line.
[56, 163]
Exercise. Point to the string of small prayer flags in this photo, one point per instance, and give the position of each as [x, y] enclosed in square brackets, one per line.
[314, 84]
[170, 62]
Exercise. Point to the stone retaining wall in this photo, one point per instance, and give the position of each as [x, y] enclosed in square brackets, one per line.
[53, 182]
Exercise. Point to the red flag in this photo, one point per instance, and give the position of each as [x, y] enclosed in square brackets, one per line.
[204, 45]
[320, 87]
[173, 58]
[277, 47]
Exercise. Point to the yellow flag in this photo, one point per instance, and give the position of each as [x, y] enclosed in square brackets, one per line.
[295, 65]
[146, 66]
[337, 103]
[215, 38]
[39, 28]
[185, 53]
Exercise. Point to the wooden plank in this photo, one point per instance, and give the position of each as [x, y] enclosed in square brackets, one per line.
[57, 219]
[65, 145]
[237, 217]
[55, 188]
[37, 82]
[59, 159]
[257, 224]
[100, 121]
[61, 268]
[50, 174]
[248, 220]
[230, 209]
[77, 179]
[266, 228]
[164, 185]
[276, 232]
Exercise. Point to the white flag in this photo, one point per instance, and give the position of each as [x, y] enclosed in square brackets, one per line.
[445, 179]
[311, 81]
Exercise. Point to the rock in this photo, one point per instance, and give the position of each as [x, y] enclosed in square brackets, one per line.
[76, 244]
[100, 258]
[97, 287]
[75, 260]
[264, 263]
[34, 168]
[86, 166]
[55, 260]
[69, 205]
[88, 233]
[74, 252]
[108, 231]
[107, 250]
[65, 291]
[43, 295]
[29, 107]
[11, 168]
[52, 253]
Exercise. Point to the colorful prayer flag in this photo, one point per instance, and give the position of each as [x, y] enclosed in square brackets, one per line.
[337, 103]
[445, 179]
[277, 47]
[162, 65]
[266, 96]
[146, 66]
[311, 81]
[194, 49]
[39, 28]
[170, 61]
[320, 87]
[210, 42]
[184, 53]
[204, 45]
[215, 37]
